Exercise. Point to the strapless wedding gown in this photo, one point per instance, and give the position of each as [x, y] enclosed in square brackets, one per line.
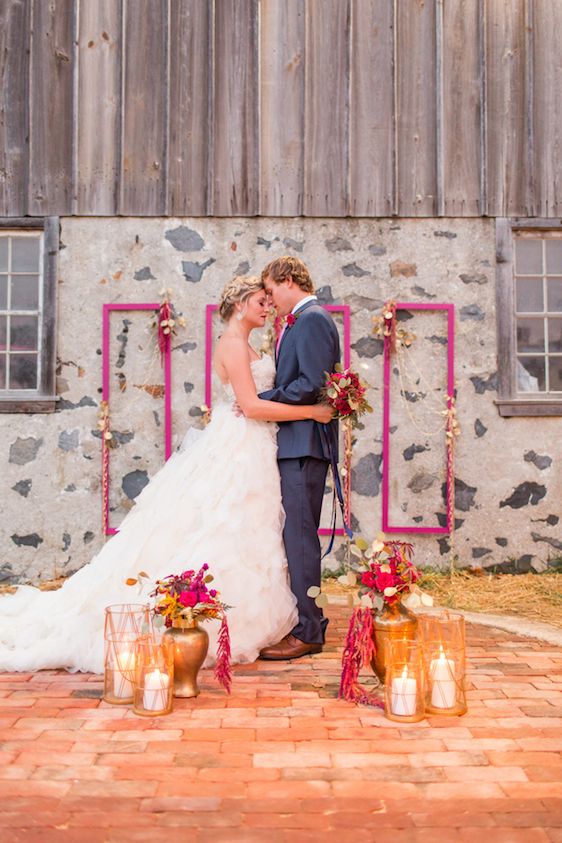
[218, 501]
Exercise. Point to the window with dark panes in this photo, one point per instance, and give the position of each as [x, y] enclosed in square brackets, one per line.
[20, 313]
[28, 259]
[538, 312]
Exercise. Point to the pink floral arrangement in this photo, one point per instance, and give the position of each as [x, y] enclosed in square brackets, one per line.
[386, 572]
[345, 393]
[187, 597]
[389, 569]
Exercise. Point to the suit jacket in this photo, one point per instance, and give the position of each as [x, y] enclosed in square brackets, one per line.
[309, 348]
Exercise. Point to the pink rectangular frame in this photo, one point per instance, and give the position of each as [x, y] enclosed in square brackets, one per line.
[107, 309]
[333, 308]
[391, 528]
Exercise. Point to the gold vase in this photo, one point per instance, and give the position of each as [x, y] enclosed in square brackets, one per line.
[190, 648]
[393, 621]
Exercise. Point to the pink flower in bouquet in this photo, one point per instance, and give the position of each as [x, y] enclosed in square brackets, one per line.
[368, 579]
[188, 598]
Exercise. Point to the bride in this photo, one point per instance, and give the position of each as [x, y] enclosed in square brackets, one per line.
[217, 500]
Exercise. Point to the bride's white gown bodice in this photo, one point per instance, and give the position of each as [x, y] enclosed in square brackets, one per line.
[217, 500]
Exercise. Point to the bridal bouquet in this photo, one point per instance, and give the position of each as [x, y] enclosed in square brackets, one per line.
[345, 393]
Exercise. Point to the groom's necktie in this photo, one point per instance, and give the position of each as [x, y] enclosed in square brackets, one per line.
[279, 338]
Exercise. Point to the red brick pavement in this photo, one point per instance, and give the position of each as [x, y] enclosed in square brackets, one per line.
[282, 759]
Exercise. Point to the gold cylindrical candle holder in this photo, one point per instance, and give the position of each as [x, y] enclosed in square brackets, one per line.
[404, 691]
[154, 677]
[442, 637]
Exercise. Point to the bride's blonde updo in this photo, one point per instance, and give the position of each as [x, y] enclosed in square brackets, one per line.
[238, 290]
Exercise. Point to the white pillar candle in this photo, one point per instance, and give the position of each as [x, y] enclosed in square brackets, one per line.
[155, 697]
[403, 700]
[123, 688]
[443, 685]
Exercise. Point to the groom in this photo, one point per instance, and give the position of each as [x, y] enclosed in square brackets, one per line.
[307, 348]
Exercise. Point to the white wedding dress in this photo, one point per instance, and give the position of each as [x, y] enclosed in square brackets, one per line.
[216, 501]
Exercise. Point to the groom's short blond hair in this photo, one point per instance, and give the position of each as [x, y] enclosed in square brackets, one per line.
[288, 267]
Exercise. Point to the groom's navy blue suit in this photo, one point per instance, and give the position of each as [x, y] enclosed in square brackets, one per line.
[309, 348]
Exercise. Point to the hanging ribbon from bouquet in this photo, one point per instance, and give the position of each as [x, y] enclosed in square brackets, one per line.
[327, 440]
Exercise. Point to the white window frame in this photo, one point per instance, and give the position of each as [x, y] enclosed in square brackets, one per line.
[510, 401]
[43, 398]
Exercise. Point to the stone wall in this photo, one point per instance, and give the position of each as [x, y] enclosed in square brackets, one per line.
[508, 471]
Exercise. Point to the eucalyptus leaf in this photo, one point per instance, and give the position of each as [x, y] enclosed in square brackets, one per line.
[351, 578]
[378, 602]
[361, 543]
[355, 551]
[322, 601]
[313, 591]
[158, 621]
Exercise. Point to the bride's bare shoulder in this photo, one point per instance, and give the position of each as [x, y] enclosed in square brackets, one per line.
[228, 349]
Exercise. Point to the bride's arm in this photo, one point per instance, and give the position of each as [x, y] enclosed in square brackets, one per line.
[236, 362]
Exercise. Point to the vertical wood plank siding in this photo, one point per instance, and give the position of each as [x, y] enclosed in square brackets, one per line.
[416, 118]
[371, 110]
[98, 106]
[144, 108]
[282, 54]
[14, 111]
[547, 107]
[507, 117]
[461, 109]
[281, 107]
[190, 92]
[235, 187]
[51, 163]
[326, 108]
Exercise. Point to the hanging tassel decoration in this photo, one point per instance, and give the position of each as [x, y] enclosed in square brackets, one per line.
[358, 652]
[223, 673]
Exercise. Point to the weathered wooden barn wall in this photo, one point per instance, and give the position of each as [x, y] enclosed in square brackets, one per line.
[281, 107]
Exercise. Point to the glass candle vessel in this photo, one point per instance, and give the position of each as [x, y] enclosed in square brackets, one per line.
[442, 637]
[404, 692]
[154, 677]
[119, 668]
[124, 623]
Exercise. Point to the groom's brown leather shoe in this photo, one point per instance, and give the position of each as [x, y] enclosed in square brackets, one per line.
[289, 648]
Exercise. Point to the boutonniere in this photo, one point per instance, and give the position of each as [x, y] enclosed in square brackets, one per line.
[291, 319]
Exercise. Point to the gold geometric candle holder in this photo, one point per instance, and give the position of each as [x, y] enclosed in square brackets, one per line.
[442, 637]
[124, 623]
[404, 690]
[154, 676]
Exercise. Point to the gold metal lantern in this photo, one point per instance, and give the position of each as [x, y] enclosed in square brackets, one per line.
[154, 677]
[404, 692]
[442, 637]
